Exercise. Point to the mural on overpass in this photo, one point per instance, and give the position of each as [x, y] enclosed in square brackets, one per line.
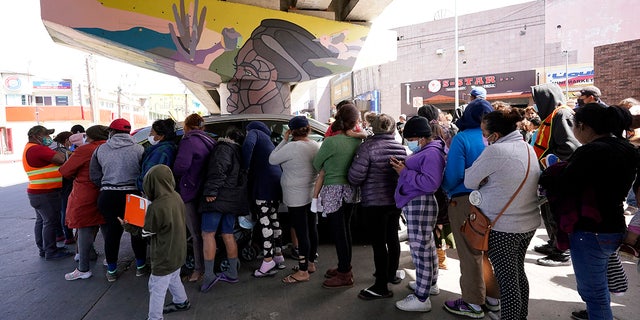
[257, 51]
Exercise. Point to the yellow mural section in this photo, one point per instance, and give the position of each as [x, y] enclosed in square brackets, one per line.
[243, 18]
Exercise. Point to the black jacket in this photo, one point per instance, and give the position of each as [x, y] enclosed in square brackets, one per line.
[225, 180]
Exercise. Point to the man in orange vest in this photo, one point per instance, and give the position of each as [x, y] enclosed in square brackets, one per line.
[41, 165]
[555, 136]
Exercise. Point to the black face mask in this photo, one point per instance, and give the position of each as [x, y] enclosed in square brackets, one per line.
[580, 102]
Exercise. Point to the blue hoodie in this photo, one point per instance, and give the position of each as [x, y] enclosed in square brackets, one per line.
[466, 147]
[264, 178]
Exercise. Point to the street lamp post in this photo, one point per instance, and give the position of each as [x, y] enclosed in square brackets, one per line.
[455, 36]
[566, 72]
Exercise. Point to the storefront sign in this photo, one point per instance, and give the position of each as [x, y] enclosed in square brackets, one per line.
[47, 85]
[578, 76]
[498, 83]
[16, 84]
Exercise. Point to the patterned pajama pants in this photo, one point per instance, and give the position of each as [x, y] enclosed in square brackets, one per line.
[506, 252]
[421, 213]
[269, 227]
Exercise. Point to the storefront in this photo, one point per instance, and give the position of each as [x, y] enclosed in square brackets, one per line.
[512, 87]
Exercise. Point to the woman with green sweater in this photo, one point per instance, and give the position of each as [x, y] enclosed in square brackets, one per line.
[334, 157]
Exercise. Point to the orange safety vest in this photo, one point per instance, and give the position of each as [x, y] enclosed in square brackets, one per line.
[543, 139]
[42, 178]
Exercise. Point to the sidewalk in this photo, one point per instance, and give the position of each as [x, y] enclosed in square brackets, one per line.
[35, 289]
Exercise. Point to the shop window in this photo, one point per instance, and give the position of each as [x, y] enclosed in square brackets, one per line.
[62, 101]
[44, 101]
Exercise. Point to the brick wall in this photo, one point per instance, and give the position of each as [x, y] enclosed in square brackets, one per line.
[617, 70]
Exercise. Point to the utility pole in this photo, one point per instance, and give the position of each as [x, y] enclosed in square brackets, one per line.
[119, 103]
[88, 64]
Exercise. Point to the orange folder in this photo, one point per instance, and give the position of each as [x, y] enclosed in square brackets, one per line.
[135, 210]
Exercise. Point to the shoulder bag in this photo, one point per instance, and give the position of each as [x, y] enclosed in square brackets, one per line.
[477, 226]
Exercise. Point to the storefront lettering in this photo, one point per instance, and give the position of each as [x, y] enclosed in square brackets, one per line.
[471, 81]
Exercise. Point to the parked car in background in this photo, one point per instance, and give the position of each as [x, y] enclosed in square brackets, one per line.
[217, 125]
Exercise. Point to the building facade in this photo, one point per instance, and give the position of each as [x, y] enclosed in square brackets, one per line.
[506, 50]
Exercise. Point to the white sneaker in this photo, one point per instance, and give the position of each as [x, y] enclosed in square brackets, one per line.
[434, 291]
[77, 274]
[411, 303]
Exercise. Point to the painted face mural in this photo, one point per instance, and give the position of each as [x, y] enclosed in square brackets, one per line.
[254, 87]
[277, 53]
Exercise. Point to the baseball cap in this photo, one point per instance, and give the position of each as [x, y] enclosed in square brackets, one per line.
[298, 122]
[120, 125]
[590, 91]
[38, 130]
[479, 92]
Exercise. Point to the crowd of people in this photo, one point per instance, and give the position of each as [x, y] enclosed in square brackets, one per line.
[574, 167]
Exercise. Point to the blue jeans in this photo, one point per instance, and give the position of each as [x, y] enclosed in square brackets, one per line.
[590, 254]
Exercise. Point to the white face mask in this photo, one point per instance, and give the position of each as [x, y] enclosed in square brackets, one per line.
[152, 140]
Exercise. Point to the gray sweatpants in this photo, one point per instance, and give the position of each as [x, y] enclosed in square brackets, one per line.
[158, 286]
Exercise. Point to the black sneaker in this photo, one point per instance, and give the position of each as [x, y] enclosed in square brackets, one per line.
[580, 315]
[556, 259]
[545, 249]
[173, 307]
[395, 280]
[59, 254]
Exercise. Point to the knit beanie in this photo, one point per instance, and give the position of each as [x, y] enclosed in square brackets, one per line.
[417, 127]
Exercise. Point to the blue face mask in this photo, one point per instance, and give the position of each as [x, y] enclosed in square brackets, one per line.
[46, 141]
[414, 146]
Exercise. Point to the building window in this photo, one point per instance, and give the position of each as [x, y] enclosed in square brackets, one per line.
[44, 101]
[62, 101]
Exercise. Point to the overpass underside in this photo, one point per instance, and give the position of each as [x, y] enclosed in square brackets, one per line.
[237, 57]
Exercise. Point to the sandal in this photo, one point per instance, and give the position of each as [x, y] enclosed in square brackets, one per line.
[267, 269]
[291, 279]
[195, 276]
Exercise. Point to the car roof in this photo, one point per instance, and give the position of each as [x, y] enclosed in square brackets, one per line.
[259, 117]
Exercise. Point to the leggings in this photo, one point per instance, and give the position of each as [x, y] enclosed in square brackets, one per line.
[86, 237]
[269, 226]
[506, 252]
[340, 227]
[194, 224]
[111, 204]
[305, 224]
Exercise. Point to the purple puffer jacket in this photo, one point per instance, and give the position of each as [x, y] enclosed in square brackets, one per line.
[189, 166]
[372, 171]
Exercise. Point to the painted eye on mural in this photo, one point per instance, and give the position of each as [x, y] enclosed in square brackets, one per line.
[247, 72]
